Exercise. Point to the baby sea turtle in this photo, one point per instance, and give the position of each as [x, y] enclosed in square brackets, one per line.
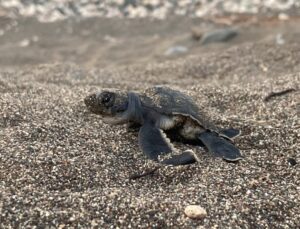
[159, 112]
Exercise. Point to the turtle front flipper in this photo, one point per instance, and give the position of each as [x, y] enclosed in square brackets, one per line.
[133, 127]
[220, 147]
[154, 144]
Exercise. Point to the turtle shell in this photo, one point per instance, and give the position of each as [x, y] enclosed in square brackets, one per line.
[171, 102]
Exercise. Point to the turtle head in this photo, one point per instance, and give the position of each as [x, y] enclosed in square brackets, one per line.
[109, 103]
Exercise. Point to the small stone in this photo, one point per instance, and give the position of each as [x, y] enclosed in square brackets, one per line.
[292, 161]
[220, 35]
[24, 43]
[176, 50]
[279, 39]
[283, 17]
[61, 226]
[195, 212]
[113, 194]
[197, 33]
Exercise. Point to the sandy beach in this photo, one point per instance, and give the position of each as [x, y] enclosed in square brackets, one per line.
[62, 167]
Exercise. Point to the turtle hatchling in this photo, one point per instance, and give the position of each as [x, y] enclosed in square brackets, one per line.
[160, 114]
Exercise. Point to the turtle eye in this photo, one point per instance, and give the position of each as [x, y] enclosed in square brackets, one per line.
[107, 99]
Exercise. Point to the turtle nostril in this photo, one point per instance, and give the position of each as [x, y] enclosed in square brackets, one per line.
[90, 100]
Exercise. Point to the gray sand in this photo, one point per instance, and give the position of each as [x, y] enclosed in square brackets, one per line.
[61, 166]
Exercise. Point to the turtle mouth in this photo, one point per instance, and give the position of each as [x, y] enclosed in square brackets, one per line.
[117, 109]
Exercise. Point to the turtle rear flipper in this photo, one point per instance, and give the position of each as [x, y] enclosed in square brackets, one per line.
[230, 133]
[154, 143]
[187, 157]
[220, 147]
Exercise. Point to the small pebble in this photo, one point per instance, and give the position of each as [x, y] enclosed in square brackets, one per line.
[220, 35]
[283, 17]
[24, 43]
[176, 50]
[195, 212]
[279, 39]
[292, 161]
[197, 33]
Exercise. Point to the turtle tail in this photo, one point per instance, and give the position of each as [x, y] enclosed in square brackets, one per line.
[219, 146]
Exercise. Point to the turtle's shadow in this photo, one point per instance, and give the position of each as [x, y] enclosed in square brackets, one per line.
[175, 137]
[172, 134]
